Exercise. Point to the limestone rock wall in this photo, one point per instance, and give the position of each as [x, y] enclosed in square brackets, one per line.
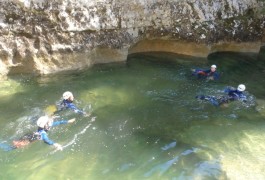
[47, 36]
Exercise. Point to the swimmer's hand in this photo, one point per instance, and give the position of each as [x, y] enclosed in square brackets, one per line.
[58, 146]
[71, 120]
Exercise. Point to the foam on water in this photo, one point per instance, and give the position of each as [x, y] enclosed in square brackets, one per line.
[76, 136]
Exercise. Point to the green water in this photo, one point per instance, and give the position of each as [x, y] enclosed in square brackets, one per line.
[148, 124]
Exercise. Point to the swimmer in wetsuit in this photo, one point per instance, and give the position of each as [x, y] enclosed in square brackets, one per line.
[67, 103]
[209, 74]
[232, 94]
[44, 124]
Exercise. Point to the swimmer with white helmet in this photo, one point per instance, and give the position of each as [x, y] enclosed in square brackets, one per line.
[67, 103]
[44, 124]
[209, 74]
[233, 94]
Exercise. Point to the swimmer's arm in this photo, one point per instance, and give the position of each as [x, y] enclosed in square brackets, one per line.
[56, 123]
[46, 139]
[50, 142]
[75, 109]
[78, 111]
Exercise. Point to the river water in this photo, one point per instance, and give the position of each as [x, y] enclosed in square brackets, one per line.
[145, 122]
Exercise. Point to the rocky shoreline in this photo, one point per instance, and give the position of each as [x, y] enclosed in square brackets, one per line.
[42, 37]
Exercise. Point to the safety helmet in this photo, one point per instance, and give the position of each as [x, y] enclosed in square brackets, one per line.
[213, 66]
[42, 121]
[241, 87]
[67, 95]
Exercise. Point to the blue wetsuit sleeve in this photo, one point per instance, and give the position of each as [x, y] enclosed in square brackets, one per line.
[73, 107]
[56, 123]
[45, 138]
[79, 111]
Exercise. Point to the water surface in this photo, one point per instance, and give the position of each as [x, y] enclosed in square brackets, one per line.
[148, 124]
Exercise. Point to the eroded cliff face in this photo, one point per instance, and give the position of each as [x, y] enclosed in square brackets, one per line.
[46, 36]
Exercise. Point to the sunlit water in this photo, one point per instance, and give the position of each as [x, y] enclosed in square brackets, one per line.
[145, 122]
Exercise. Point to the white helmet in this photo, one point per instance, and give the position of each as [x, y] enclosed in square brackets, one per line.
[213, 66]
[67, 95]
[241, 87]
[42, 121]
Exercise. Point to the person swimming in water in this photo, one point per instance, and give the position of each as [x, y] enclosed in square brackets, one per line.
[232, 94]
[44, 124]
[67, 103]
[209, 74]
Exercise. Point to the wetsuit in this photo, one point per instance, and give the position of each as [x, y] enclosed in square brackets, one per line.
[205, 73]
[43, 132]
[30, 137]
[67, 104]
[232, 95]
[235, 95]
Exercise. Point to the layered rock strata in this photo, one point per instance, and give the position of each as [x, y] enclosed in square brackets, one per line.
[47, 36]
